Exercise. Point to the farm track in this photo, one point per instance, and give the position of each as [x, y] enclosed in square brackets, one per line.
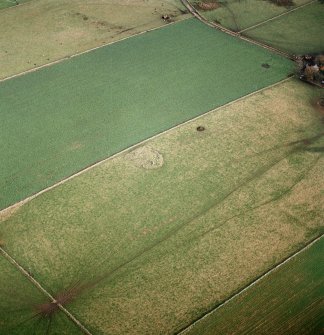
[235, 295]
[196, 14]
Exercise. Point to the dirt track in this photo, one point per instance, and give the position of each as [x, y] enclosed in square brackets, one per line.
[195, 13]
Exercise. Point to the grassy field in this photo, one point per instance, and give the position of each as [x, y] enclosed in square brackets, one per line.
[19, 305]
[62, 118]
[11, 3]
[240, 14]
[62, 28]
[289, 301]
[161, 234]
[300, 32]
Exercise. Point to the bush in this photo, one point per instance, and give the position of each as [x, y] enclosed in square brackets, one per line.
[285, 3]
[207, 4]
[310, 73]
[320, 59]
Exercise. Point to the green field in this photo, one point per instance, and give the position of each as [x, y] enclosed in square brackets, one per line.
[299, 33]
[289, 301]
[62, 118]
[60, 28]
[240, 14]
[18, 307]
[162, 233]
[11, 3]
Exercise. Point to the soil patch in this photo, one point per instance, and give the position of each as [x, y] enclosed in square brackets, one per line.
[207, 5]
[146, 157]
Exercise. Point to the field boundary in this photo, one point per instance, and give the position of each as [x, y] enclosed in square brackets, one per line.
[44, 291]
[267, 273]
[64, 180]
[275, 17]
[217, 26]
[86, 51]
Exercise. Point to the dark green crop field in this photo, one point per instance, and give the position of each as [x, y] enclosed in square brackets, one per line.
[62, 118]
[10, 3]
[20, 306]
[241, 14]
[299, 32]
[289, 301]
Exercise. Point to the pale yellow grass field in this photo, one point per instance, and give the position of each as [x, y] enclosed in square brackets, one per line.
[42, 31]
[222, 207]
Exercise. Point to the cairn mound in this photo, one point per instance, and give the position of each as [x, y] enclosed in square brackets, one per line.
[146, 157]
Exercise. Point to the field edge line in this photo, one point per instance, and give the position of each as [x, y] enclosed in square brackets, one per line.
[217, 26]
[60, 60]
[21, 269]
[276, 16]
[253, 283]
[132, 147]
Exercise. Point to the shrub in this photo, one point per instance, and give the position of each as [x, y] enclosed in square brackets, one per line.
[285, 3]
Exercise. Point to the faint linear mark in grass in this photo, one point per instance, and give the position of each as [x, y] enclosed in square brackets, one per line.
[297, 146]
[48, 309]
[274, 199]
[176, 229]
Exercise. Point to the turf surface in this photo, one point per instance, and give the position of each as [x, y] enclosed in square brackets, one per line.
[299, 32]
[11, 3]
[240, 14]
[62, 118]
[158, 242]
[289, 301]
[19, 301]
[62, 28]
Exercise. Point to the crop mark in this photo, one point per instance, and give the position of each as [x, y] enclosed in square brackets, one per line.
[176, 229]
[280, 196]
[53, 301]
